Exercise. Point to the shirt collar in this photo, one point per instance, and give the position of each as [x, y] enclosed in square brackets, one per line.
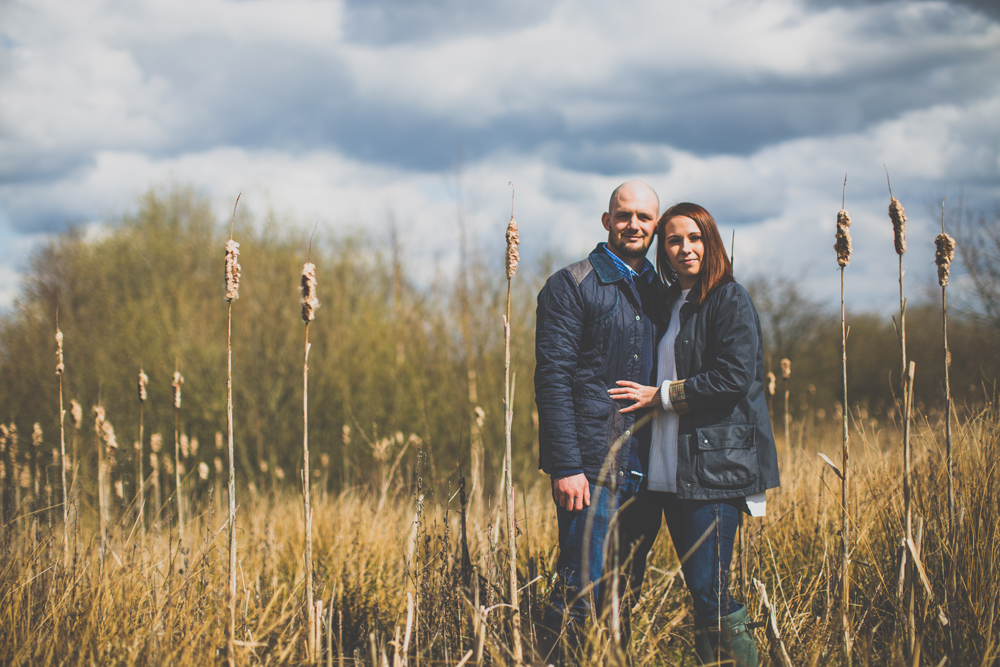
[628, 273]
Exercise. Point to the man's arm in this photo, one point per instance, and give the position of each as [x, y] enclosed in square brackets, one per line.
[558, 332]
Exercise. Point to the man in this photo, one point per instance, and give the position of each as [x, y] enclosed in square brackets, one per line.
[597, 323]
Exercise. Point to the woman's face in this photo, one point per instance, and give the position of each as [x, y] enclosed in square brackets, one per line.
[685, 249]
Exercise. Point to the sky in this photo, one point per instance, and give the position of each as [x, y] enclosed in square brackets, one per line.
[355, 112]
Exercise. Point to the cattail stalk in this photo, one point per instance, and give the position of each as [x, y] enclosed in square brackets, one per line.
[176, 384]
[102, 496]
[155, 446]
[309, 305]
[511, 260]
[140, 480]
[232, 293]
[843, 250]
[60, 369]
[786, 374]
[943, 257]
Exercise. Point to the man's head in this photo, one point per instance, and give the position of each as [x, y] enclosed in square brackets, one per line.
[631, 221]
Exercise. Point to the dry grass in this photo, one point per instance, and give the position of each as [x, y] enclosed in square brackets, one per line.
[144, 606]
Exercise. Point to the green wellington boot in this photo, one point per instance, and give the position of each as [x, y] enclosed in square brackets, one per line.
[734, 645]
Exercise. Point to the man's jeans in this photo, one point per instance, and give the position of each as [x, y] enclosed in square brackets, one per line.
[580, 547]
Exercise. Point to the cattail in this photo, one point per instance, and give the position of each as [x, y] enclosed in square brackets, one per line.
[218, 440]
[512, 242]
[232, 270]
[176, 384]
[943, 257]
[36, 435]
[194, 446]
[185, 446]
[143, 382]
[156, 442]
[76, 412]
[843, 244]
[786, 368]
[102, 499]
[898, 216]
[60, 367]
[203, 471]
[309, 301]
[770, 383]
[218, 465]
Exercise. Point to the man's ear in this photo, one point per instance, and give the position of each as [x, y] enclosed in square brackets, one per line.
[606, 221]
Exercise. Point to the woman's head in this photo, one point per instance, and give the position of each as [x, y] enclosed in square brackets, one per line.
[690, 250]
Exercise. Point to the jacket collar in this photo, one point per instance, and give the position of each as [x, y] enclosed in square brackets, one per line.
[605, 268]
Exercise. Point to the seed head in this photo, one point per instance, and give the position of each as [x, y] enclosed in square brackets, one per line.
[156, 442]
[346, 434]
[36, 435]
[176, 384]
[218, 439]
[143, 381]
[60, 367]
[76, 412]
[154, 461]
[218, 465]
[185, 446]
[770, 383]
[309, 301]
[898, 216]
[843, 244]
[512, 242]
[137, 445]
[203, 470]
[232, 270]
[786, 368]
[943, 257]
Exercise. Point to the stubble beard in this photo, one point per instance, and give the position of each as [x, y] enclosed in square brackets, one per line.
[631, 250]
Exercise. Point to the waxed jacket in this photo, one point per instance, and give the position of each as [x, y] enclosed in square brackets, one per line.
[589, 334]
[725, 447]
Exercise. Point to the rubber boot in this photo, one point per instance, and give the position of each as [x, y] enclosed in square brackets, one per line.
[733, 647]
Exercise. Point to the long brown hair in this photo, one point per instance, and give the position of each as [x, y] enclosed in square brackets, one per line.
[716, 269]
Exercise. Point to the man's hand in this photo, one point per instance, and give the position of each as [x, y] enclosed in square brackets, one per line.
[571, 493]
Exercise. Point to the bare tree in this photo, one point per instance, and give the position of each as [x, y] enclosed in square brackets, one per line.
[979, 249]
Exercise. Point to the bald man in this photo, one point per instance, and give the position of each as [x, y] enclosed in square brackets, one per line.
[598, 321]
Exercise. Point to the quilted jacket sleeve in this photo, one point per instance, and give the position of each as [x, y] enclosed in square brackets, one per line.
[558, 333]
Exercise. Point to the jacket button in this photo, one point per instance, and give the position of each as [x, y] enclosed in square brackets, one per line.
[628, 431]
[635, 356]
[621, 473]
[638, 317]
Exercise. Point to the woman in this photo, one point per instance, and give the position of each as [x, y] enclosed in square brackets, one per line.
[712, 454]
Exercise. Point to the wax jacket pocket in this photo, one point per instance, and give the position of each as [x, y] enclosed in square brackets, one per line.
[727, 456]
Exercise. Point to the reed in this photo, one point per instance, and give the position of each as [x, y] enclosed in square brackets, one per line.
[310, 303]
[60, 369]
[176, 384]
[232, 277]
[944, 255]
[843, 250]
[510, 262]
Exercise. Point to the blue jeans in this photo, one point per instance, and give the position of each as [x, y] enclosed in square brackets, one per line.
[706, 571]
[585, 559]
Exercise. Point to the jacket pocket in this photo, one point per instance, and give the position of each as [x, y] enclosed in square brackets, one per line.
[727, 456]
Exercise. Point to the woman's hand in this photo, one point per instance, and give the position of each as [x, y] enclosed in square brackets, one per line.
[644, 397]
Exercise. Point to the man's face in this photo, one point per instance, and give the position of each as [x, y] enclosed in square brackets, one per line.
[631, 222]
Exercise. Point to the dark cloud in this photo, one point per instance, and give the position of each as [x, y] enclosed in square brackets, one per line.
[384, 22]
[989, 8]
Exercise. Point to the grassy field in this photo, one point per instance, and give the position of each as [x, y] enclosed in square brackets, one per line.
[396, 587]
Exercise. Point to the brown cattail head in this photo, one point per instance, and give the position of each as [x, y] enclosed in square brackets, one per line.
[512, 242]
[185, 446]
[786, 368]
[4, 434]
[770, 383]
[232, 270]
[60, 367]
[202, 471]
[176, 384]
[156, 442]
[898, 216]
[143, 382]
[843, 244]
[218, 439]
[76, 412]
[943, 257]
[36, 435]
[346, 434]
[98, 420]
[309, 301]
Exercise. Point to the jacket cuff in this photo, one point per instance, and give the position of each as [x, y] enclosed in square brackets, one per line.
[559, 474]
[665, 396]
[677, 398]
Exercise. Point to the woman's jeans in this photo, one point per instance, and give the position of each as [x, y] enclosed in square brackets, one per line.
[637, 515]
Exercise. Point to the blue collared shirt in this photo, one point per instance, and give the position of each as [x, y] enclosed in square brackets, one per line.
[628, 273]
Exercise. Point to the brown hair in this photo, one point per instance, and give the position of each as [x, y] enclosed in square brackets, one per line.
[716, 269]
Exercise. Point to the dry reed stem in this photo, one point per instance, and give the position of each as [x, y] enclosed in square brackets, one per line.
[177, 382]
[309, 305]
[943, 257]
[843, 250]
[60, 369]
[232, 292]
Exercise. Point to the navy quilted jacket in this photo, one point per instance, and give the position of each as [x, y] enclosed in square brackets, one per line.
[588, 335]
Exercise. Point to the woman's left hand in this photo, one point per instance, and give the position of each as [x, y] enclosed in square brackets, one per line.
[644, 397]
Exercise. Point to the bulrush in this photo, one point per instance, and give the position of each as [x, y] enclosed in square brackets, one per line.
[232, 270]
[176, 384]
[309, 301]
[100, 428]
[60, 369]
[140, 506]
[513, 240]
[944, 255]
[843, 244]
[898, 216]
